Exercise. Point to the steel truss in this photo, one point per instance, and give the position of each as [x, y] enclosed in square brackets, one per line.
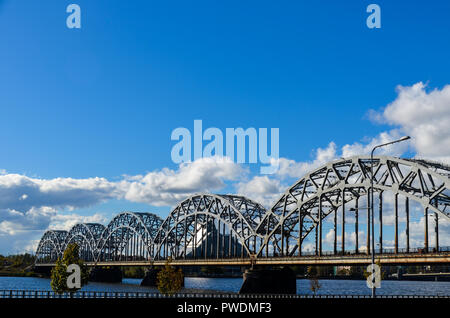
[328, 189]
[209, 226]
[129, 236]
[51, 246]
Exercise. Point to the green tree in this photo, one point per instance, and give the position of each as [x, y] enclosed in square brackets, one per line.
[169, 280]
[59, 273]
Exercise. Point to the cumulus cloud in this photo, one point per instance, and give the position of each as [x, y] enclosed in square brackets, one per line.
[261, 189]
[167, 187]
[291, 168]
[67, 221]
[21, 231]
[21, 193]
[30, 205]
[396, 150]
[425, 116]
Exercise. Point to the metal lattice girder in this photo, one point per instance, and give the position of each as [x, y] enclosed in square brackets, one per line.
[87, 236]
[124, 225]
[209, 225]
[51, 246]
[311, 199]
[199, 218]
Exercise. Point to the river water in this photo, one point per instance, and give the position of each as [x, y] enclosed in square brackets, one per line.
[328, 287]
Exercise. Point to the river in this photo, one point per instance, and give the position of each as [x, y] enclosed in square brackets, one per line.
[328, 287]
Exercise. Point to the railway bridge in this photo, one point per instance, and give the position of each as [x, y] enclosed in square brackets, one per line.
[322, 219]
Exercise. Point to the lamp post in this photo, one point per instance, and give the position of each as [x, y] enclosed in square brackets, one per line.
[371, 206]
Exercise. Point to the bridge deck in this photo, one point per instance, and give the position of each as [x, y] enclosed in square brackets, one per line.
[356, 259]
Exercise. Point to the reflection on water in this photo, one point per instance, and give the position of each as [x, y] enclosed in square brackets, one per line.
[328, 287]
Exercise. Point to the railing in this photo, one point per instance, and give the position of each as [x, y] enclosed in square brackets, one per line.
[415, 250]
[12, 294]
[384, 251]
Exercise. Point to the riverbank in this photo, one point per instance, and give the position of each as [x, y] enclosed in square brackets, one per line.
[19, 274]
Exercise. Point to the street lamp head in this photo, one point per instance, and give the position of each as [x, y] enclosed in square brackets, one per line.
[404, 138]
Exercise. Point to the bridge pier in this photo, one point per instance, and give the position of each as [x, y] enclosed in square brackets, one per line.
[151, 277]
[44, 271]
[269, 281]
[105, 275]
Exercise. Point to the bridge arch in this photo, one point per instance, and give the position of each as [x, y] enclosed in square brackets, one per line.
[51, 246]
[210, 226]
[129, 235]
[86, 236]
[320, 193]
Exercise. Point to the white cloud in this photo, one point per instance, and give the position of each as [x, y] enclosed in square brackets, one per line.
[22, 193]
[168, 187]
[158, 188]
[395, 150]
[425, 116]
[263, 189]
[67, 221]
[29, 206]
[291, 168]
[266, 190]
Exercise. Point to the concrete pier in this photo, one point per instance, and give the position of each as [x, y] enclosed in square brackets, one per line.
[269, 281]
[151, 278]
[105, 275]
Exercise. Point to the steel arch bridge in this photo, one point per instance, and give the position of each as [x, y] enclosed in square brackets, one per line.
[216, 229]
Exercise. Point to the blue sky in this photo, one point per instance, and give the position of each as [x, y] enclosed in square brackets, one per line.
[103, 100]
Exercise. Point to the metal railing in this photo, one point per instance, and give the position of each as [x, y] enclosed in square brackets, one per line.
[48, 294]
[415, 250]
[312, 254]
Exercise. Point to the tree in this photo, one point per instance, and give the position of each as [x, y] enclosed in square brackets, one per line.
[169, 280]
[314, 284]
[59, 273]
[382, 272]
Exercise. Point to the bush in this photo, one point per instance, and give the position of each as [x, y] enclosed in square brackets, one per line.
[59, 273]
[169, 280]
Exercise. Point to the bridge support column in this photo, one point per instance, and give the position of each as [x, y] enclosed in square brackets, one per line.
[368, 223]
[44, 271]
[105, 275]
[407, 223]
[436, 231]
[356, 225]
[335, 232]
[316, 238]
[426, 230]
[320, 226]
[396, 223]
[151, 277]
[343, 223]
[269, 281]
[380, 207]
